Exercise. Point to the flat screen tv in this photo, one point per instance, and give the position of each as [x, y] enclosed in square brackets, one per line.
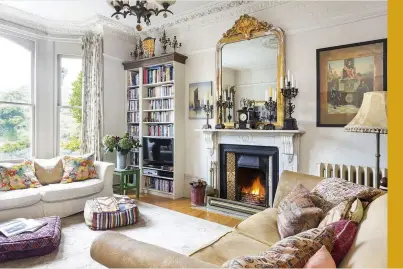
[158, 151]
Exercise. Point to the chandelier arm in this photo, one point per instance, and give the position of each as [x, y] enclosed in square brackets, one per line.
[166, 10]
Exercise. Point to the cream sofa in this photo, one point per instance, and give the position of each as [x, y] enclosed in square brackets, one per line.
[252, 236]
[56, 199]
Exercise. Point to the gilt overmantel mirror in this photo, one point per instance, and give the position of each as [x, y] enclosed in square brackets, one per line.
[250, 61]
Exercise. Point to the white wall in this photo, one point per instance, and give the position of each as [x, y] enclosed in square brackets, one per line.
[308, 26]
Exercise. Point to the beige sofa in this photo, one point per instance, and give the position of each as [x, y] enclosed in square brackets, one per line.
[252, 236]
[56, 199]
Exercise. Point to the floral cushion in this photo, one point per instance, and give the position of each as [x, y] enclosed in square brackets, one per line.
[78, 168]
[297, 213]
[18, 176]
[347, 210]
[291, 252]
[332, 191]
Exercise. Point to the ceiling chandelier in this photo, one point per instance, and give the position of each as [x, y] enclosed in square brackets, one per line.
[140, 10]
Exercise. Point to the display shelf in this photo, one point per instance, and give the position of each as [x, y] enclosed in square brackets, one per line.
[156, 123]
[167, 178]
[158, 98]
[164, 83]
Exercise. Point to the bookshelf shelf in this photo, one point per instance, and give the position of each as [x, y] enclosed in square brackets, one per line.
[157, 99]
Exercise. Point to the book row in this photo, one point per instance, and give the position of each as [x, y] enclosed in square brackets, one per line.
[158, 74]
[161, 91]
[133, 105]
[133, 130]
[162, 104]
[133, 117]
[161, 130]
[134, 78]
[133, 94]
[159, 184]
[166, 116]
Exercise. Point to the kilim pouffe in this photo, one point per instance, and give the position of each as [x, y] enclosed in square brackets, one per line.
[38, 243]
[104, 213]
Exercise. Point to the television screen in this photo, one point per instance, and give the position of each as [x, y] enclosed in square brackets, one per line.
[158, 151]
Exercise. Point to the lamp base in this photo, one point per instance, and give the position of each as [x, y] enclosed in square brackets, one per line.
[220, 126]
[290, 124]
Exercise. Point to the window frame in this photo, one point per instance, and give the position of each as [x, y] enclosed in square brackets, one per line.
[31, 46]
[58, 101]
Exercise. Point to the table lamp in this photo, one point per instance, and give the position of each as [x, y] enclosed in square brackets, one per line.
[372, 118]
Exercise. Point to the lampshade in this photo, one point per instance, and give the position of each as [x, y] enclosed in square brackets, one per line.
[372, 116]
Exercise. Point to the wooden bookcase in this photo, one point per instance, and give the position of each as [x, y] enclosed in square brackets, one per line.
[156, 110]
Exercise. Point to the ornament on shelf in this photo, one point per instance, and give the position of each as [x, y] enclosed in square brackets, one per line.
[174, 44]
[289, 91]
[135, 53]
[209, 110]
[149, 47]
[164, 41]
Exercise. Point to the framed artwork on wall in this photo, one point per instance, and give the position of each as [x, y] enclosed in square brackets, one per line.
[199, 94]
[344, 74]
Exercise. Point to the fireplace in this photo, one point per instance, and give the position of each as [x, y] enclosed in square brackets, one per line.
[248, 174]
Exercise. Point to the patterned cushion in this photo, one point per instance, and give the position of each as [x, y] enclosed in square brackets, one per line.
[42, 242]
[78, 168]
[109, 212]
[18, 176]
[333, 191]
[344, 235]
[48, 171]
[297, 213]
[291, 252]
[321, 259]
[348, 209]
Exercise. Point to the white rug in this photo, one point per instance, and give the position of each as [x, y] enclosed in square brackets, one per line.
[159, 226]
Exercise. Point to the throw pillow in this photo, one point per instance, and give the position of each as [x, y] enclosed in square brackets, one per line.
[297, 213]
[291, 252]
[344, 235]
[349, 209]
[335, 190]
[18, 176]
[48, 171]
[321, 259]
[78, 168]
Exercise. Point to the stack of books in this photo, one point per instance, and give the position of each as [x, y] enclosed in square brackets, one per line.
[157, 74]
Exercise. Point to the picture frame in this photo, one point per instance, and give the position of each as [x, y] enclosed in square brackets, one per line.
[199, 93]
[344, 74]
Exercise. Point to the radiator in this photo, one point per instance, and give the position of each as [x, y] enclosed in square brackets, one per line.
[362, 175]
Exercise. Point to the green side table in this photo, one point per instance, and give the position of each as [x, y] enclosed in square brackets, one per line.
[124, 180]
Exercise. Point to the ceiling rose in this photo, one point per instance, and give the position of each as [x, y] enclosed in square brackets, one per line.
[139, 9]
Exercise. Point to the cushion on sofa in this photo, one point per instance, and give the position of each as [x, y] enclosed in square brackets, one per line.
[291, 252]
[78, 168]
[370, 247]
[333, 191]
[18, 176]
[60, 192]
[297, 213]
[49, 171]
[347, 210]
[344, 235]
[321, 259]
[261, 227]
[229, 246]
[19, 198]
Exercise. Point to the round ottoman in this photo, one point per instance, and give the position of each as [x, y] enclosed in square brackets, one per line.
[104, 213]
[38, 243]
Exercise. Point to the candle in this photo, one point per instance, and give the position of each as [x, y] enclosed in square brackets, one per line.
[288, 73]
[266, 95]
[295, 84]
[281, 82]
[286, 82]
[271, 91]
[292, 80]
[275, 94]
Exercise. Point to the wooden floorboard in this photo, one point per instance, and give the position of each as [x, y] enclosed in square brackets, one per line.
[182, 205]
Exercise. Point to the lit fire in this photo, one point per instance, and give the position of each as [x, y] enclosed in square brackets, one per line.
[256, 189]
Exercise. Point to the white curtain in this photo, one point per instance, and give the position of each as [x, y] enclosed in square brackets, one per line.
[93, 88]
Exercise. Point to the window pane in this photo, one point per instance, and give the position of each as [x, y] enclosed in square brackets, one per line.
[15, 72]
[70, 129]
[15, 132]
[70, 81]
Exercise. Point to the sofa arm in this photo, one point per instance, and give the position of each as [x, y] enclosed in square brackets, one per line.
[105, 172]
[115, 250]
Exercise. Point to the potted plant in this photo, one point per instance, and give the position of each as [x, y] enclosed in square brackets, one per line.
[123, 145]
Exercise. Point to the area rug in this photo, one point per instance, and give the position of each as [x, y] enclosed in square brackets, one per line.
[159, 226]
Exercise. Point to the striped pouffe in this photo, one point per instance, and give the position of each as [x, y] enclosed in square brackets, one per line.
[109, 212]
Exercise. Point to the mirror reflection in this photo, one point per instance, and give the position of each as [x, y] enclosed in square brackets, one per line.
[249, 76]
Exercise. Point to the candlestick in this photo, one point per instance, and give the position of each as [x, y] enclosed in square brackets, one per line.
[289, 93]
[208, 109]
[271, 107]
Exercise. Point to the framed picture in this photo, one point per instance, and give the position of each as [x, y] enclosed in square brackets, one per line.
[344, 74]
[199, 94]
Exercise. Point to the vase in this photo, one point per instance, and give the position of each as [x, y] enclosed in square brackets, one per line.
[120, 161]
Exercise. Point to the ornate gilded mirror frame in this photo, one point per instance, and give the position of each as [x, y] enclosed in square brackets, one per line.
[246, 28]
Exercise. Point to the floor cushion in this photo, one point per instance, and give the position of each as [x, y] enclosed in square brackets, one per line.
[19, 198]
[39, 243]
[104, 213]
[60, 192]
